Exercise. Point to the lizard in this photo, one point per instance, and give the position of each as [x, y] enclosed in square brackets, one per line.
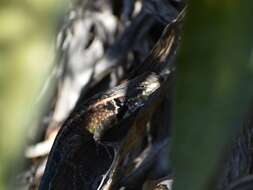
[87, 125]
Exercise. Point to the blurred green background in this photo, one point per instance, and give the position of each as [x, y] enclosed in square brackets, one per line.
[27, 32]
[214, 89]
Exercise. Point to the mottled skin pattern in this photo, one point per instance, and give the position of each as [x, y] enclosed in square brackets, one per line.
[119, 103]
[74, 145]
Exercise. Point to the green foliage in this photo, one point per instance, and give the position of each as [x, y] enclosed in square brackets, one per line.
[214, 87]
